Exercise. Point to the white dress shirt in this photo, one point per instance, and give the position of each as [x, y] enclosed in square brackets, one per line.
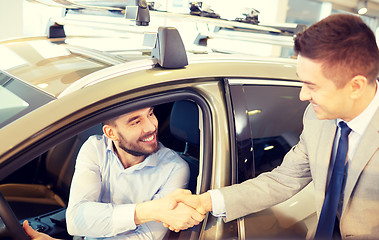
[104, 195]
[358, 126]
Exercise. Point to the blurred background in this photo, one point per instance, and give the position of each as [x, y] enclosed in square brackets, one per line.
[26, 18]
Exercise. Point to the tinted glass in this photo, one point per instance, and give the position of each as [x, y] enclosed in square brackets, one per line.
[275, 116]
[18, 98]
[10, 104]
[269, 123]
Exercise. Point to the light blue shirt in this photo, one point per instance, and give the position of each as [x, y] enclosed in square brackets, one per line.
[104, 195]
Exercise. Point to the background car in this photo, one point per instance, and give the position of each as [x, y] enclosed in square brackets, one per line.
[231, 117]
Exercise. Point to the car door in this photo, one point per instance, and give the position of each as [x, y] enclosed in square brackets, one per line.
[268, 122]
[74, 123]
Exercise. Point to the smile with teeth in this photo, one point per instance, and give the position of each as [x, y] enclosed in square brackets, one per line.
[148, 139]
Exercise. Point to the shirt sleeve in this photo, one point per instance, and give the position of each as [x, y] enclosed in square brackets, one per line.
[178, 178]
[218, 203]
[85, 215]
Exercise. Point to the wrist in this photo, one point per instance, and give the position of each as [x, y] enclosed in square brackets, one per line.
[206, 201]
[145, 212]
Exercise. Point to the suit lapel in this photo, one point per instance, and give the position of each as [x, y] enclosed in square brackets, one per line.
[324, 152]
[368, 145]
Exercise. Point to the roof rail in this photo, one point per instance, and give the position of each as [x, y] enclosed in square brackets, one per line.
[169, 49]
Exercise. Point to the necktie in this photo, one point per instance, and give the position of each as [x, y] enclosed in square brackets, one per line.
[329, 208]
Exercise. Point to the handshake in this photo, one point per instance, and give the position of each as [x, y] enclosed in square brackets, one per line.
[178, 210]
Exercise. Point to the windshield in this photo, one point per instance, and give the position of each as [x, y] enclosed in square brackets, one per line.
[17, 98]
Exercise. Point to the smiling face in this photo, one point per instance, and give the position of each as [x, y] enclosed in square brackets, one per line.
[135, 133]
[328, 101]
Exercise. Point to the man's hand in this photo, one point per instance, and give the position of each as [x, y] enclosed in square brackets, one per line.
[181, 218]
[33, 234]
[202, 203]
[169, 211]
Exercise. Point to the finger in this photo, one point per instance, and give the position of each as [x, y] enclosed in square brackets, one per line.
[172, 204]
[28, 229]
[178, 196]
[172, 229]
[197, 216]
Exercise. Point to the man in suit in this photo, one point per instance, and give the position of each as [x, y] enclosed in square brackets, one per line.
[338, 63]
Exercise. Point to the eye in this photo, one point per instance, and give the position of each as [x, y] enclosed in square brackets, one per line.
[135, 122]
[309, 86]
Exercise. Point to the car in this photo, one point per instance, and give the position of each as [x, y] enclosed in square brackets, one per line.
[231, 117]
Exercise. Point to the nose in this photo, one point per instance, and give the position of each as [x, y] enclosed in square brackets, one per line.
[304, 94]
[150, 125]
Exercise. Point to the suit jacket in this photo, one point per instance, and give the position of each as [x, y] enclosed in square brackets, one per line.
[309, 160]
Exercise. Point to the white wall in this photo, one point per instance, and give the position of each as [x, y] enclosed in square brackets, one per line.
[36, 17]
[271, 11]
[19, 18]
[11, 23]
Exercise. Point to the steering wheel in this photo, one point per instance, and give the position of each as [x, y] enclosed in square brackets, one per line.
[10, 220]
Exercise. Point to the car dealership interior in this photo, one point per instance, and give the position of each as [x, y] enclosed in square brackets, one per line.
[181, 119]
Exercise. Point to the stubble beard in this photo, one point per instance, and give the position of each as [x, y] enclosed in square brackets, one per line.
[135, 150]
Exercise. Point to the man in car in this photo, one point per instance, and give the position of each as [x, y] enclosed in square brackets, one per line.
[122, 180]
[338, 63]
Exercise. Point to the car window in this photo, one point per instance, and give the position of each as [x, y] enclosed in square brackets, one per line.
[10, 104]
[18, 98]
[275, 118]
[268, 123]
[51, 171]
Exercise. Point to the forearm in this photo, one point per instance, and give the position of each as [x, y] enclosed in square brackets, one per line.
[146, 212]
[95, 219]
[260, 193]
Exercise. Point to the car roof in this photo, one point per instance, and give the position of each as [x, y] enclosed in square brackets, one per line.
[52, 65]
[63, 65]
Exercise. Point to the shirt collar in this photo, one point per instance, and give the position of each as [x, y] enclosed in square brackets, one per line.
[150, 161]
[360, 122]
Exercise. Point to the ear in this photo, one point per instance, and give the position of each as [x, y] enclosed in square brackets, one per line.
[110, 132]
[358, 85]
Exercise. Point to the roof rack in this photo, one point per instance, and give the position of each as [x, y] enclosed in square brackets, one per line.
[137, 10]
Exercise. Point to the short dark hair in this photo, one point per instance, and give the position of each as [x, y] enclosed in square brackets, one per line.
[344, 44]
[110, 122]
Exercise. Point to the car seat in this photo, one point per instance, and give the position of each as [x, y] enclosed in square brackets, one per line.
[184, 125]
[29, 200]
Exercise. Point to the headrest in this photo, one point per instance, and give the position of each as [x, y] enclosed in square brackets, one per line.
[184, 122]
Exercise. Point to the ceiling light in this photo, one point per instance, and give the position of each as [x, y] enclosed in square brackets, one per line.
[362, 7]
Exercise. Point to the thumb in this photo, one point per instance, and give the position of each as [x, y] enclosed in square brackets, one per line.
[172, 203]
[29, 230]
[177, 196]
